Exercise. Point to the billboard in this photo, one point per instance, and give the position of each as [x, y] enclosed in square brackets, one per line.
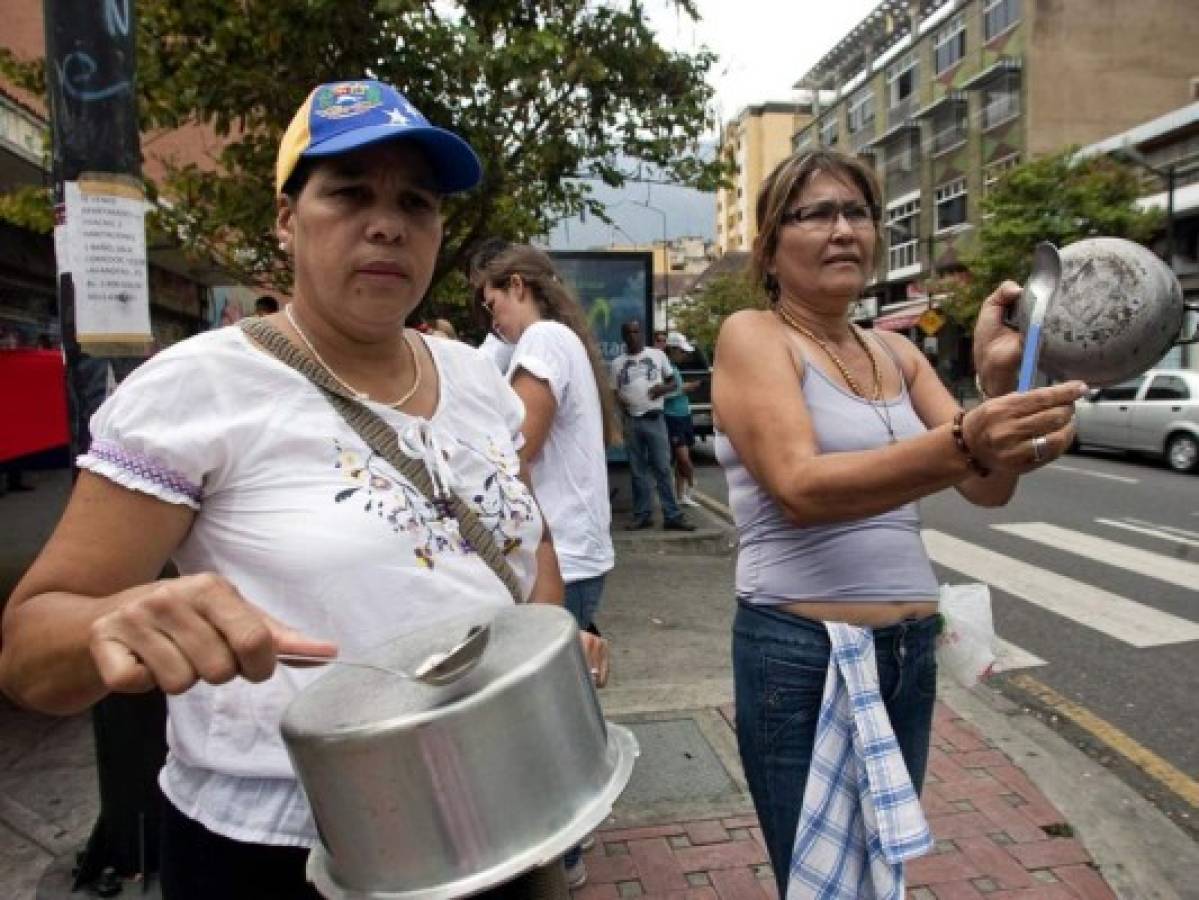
[614, 287]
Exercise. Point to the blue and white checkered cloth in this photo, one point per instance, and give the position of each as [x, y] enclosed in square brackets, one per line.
[861, 817]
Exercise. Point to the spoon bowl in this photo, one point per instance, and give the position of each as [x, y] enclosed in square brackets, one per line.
[436, 669]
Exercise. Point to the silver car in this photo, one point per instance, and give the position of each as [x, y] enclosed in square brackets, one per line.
[1157, 413]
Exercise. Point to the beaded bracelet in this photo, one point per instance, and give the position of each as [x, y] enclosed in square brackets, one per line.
[959, 440]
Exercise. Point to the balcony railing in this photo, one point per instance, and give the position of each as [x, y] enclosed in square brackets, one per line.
[899, 113]
[1001, 108]
[948, 138]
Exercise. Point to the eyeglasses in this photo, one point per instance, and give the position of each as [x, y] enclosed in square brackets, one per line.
[826, 213]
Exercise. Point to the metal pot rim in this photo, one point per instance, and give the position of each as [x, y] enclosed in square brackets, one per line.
[621, 744]
[412, 721]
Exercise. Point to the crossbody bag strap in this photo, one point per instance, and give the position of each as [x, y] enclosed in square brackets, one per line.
[381, 438]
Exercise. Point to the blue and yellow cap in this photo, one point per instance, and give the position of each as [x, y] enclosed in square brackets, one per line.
[345, 115]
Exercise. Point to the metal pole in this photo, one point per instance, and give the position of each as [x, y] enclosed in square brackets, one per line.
[1170, 176]
[90, 73]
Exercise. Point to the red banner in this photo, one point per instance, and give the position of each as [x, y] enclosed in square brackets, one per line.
[33, 402]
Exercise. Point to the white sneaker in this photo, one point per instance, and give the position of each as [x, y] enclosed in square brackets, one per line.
[576, 875]
[687, 500]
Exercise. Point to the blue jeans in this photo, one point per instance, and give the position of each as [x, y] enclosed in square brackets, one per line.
[779, 664]
[649, 456]
[583, 599]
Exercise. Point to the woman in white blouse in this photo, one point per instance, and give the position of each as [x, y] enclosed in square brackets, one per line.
[290, 534]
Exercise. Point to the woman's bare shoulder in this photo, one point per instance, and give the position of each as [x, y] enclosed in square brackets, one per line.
[747, 325]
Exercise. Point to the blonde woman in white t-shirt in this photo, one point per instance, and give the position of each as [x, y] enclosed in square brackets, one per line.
[570, 418]
[290, 533]
[570, 414]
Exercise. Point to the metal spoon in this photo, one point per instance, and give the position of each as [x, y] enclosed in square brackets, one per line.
[436, 669]
[1040, 289]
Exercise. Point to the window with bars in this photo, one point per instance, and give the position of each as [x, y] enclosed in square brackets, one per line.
[950, 201]
[829, 130]
[1001, 100]
[999, 16]
[901, 80]
[949, 127]
[950, 45]
[903, 235]
[861, 111]
[902, 157]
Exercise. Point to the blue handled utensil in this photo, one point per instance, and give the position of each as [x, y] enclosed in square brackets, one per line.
[1040, 288]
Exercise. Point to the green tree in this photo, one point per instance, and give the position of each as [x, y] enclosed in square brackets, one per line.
[554, 94]
[701, 315]
[1060, 198]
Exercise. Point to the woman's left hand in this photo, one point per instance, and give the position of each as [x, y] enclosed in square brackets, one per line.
[997, 347]
[595, 650]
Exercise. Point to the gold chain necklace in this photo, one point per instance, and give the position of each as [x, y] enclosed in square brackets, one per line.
[352, 391]
[885, 415]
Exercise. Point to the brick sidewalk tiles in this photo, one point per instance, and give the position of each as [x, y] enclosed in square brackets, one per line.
[997, 836]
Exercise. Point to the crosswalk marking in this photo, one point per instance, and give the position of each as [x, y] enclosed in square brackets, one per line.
[1144, 528]
[1171, 529]
[1059, 467]
[1152, 565]
[1111, 614]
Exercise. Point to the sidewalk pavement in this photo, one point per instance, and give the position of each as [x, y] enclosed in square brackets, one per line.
[1016, 810]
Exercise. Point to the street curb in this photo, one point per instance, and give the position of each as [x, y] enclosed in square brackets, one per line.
[714, 506]
[1141, 853]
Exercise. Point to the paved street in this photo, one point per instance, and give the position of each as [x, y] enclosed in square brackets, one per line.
[1093, 567]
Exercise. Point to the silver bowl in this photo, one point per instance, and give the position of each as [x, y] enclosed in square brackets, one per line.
[1117, 310]
[427, 792]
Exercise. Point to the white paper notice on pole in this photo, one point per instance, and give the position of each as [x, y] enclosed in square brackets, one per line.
[106, 249]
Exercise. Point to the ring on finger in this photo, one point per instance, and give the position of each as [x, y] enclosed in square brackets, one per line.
[1039, 449]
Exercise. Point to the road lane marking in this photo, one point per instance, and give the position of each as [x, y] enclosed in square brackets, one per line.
[1140, 756]
[1143, 562]
[1113, 615]
[1124, 478]
[1172, 529]
[1008, 657]
[1146, 529]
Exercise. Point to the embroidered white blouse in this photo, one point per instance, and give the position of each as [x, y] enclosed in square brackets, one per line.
[313, 528]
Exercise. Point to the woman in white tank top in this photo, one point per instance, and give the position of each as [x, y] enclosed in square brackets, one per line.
[828, 435]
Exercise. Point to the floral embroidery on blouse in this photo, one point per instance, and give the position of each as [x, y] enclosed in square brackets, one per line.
[504, 499]
[503, 504]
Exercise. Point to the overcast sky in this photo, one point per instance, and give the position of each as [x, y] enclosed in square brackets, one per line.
[764, 46]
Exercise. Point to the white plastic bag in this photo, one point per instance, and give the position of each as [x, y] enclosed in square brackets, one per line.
[966, 646]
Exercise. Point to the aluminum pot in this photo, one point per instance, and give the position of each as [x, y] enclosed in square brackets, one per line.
[1117, 310]
[426, 792]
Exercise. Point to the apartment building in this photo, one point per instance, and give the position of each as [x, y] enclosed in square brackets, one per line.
[944, 96]
[754, 142]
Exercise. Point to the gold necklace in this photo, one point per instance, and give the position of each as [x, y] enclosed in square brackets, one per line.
[885, 415]
[837, 361]
[352, 391]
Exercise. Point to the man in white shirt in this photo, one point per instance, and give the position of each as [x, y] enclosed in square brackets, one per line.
[642, 376]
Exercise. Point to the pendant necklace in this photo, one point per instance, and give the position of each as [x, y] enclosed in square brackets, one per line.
[352, 391]
[873, 401]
